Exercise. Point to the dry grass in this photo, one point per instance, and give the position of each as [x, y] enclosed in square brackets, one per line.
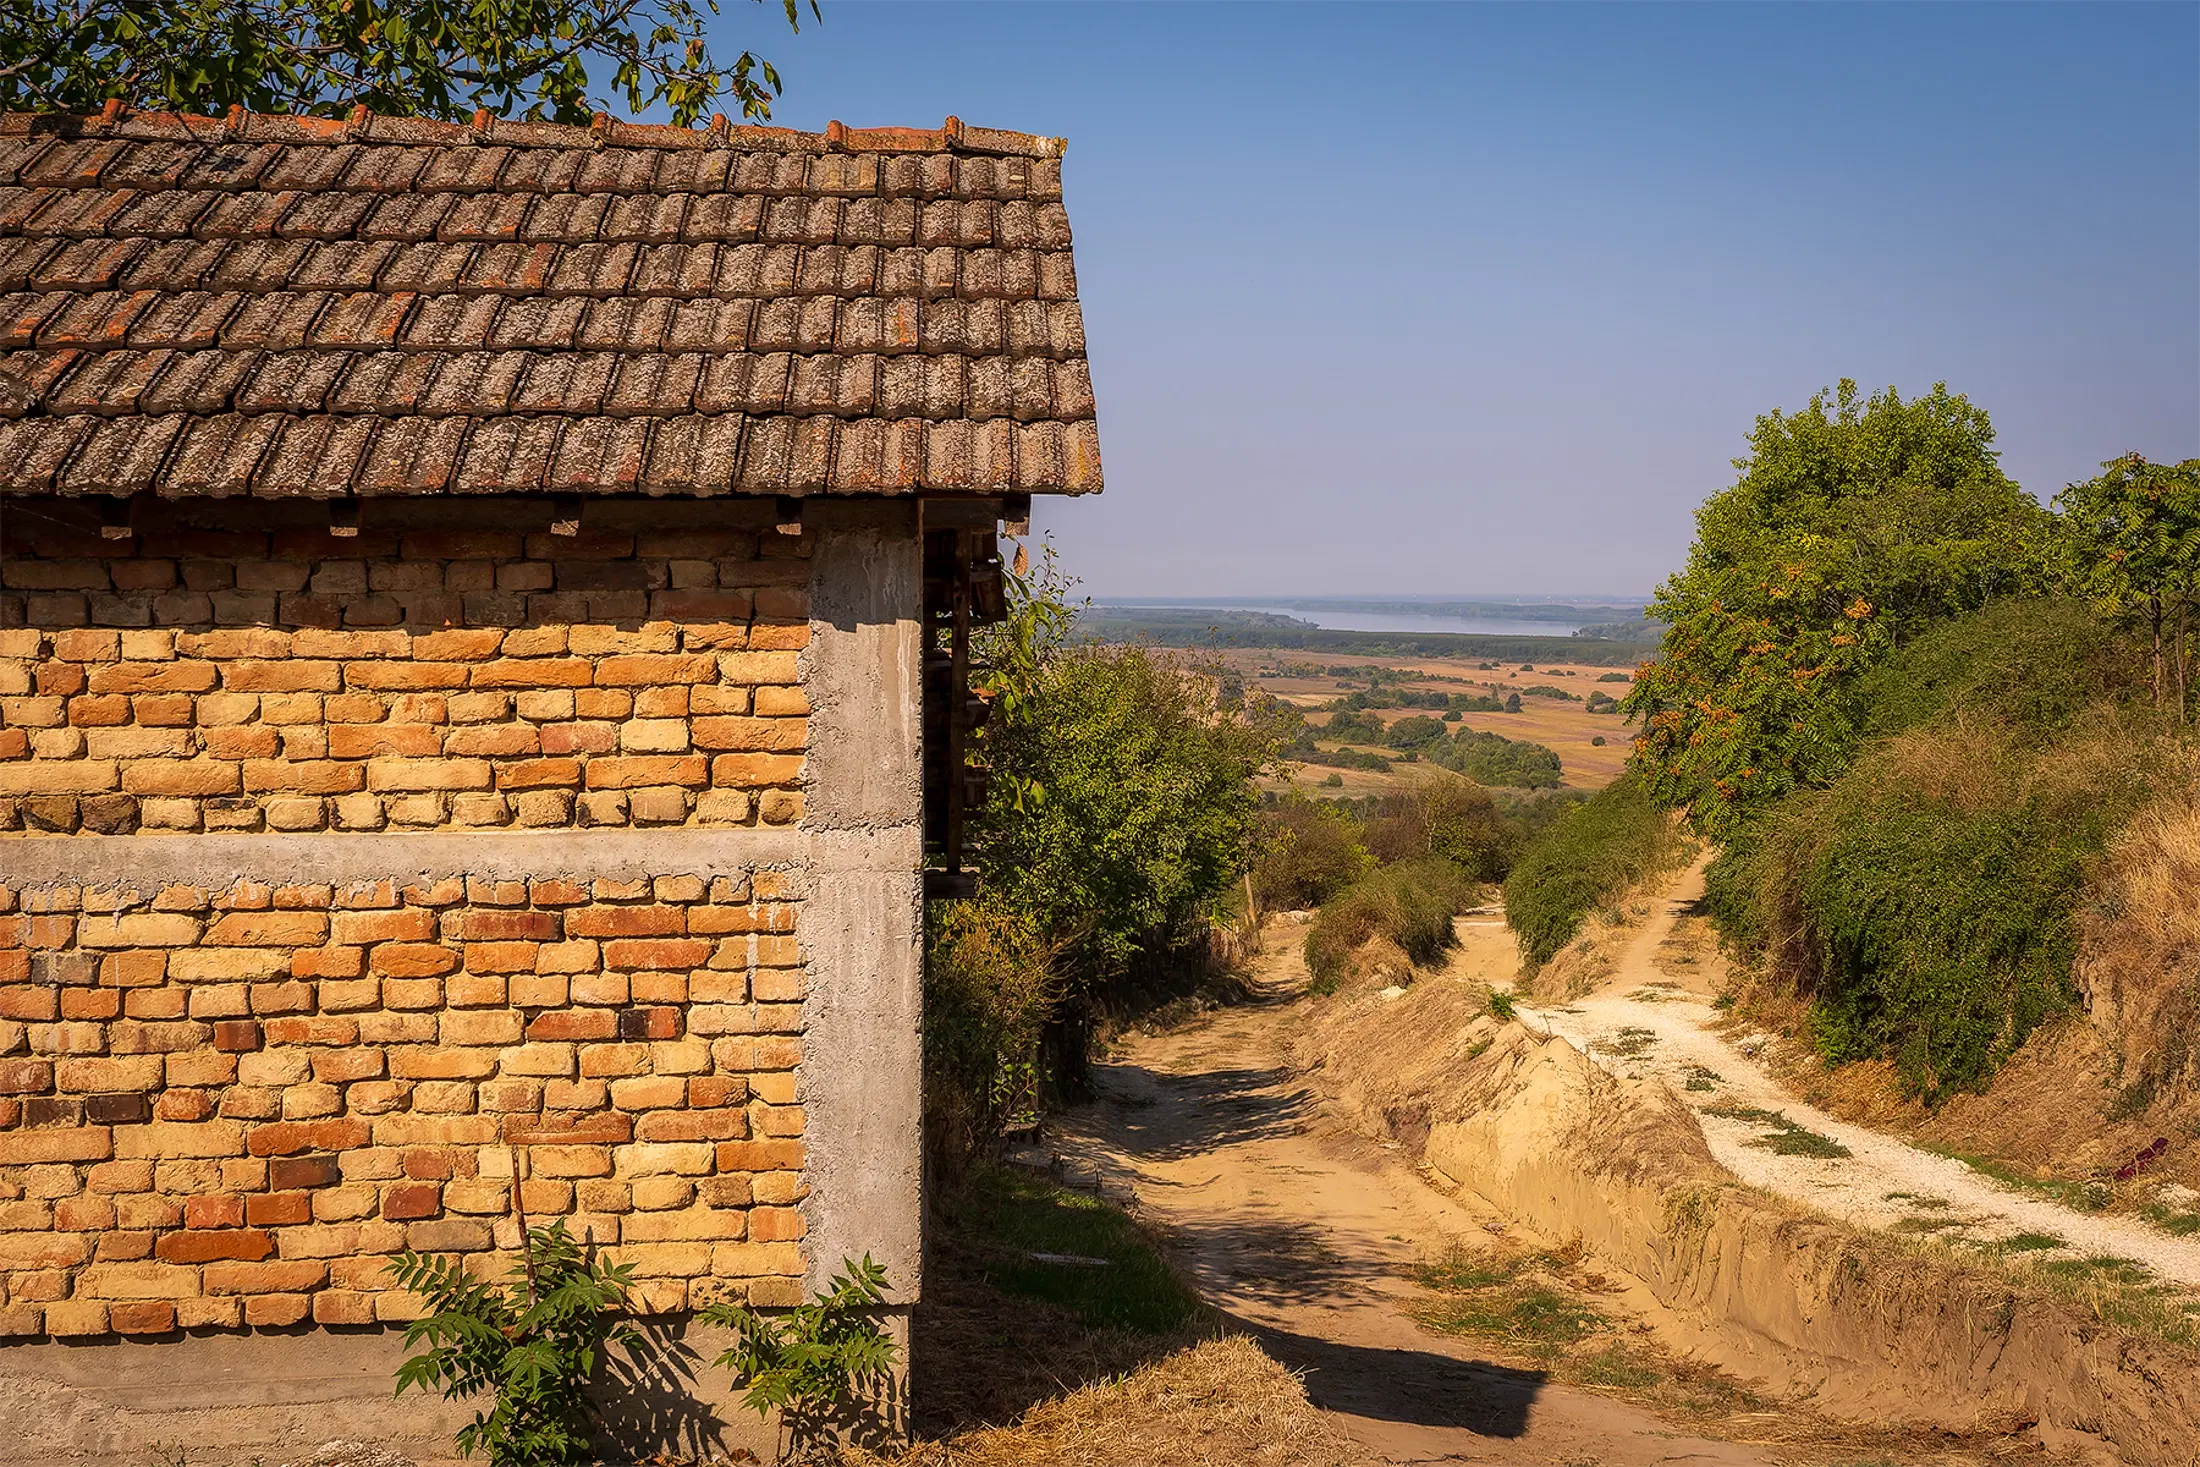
[2139, 959]
[1218, 1403]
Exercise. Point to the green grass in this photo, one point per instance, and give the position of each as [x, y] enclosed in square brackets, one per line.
[1501, 1298]
[1501, 1003]
[1700, 1078]
[2032, 1243]
[2083, 1196]
[2170, 1220]
[2101, 1265]
[1012, 1216]
[1629, 1043]
[1783, 1137]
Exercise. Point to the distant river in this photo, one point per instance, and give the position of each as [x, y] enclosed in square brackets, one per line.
[1378, 621]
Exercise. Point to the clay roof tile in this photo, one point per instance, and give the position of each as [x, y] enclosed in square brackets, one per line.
[308, 306]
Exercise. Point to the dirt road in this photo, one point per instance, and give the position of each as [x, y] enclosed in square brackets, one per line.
[1655, 1019]
[1305, 1233]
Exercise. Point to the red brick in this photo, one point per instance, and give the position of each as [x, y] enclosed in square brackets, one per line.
[413, 960]
[651, 921]
[145, 1317]
[598, 1128]
[285, 1138]
[332, 1306]
[276, 1209]
[25, 1077]
[297, 1172]
[535, 774]
[659, 953]
[213, 1212]
[654, 1023]
[478, 925]
[263, 1278]
[637, 771]
[501, 957]
[273, 1311]
[411, 1201]
[246, 1245]
[424, 1165]
[574, 1024]
[760, 1156]
[705, 1091]
[237, 1036]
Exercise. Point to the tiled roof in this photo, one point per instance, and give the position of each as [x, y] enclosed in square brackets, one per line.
[289, 306]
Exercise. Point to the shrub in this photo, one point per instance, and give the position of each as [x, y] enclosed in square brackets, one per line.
[1142, 814]
[1615, 677]
[1926, 903]
[1447, 819]
[1601, 703]
[1488, 758]
[1412, 904]
[1591, 854]
[1354, 728]
[1311, 852]
[1597, 742]
[1545, 690]
[2033, 663]
[1512, 702]
[989, 986]
[531, 1344]
[1417, 732]
[816, 1363]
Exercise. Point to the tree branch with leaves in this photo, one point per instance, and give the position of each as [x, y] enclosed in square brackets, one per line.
[539, 60]
[2130, 544]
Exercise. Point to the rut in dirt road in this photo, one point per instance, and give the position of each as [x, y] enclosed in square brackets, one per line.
[1306, 1234]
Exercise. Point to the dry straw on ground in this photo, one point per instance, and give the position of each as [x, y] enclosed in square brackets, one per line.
[1218, 1403]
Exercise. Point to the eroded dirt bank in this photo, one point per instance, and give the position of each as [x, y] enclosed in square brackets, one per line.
[1803, 1305]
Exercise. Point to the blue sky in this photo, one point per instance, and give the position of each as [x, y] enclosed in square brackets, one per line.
[1483, 298]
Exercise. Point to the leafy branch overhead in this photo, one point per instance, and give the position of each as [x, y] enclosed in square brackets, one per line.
[541, 60]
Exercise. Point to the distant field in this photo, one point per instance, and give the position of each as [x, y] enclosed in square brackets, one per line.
[1565, 727]
[1225, 629]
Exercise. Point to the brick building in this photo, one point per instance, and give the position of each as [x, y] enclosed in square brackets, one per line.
[475, 605]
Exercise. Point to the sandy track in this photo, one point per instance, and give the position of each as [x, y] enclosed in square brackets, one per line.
[1644, 1021]
[1304, 1232]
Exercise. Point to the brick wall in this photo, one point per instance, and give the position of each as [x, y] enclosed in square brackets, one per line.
[231, 1107]
[241, 668]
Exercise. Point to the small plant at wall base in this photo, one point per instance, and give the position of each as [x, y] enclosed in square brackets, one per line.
[813, 1364]
[532, 1343]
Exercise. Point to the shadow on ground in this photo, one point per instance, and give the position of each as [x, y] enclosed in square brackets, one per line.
[1410, 1387]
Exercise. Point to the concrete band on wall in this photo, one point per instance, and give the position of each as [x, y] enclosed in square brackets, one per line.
[853, 860]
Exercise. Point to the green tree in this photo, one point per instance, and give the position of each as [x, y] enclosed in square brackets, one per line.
[2130, 544]
[1121, 811]
[554, 60]
[1853, 525]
